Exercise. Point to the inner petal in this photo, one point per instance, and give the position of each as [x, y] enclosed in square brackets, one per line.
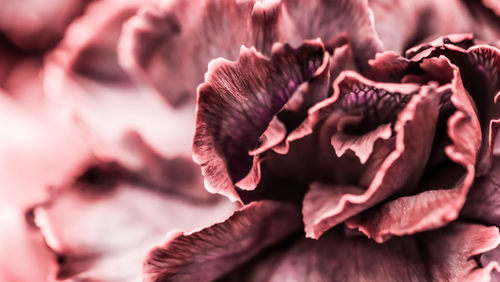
[371, 106]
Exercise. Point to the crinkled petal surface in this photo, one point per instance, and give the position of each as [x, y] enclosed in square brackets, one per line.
[399, 169]
[207, 254]
[435, 206]
[479, 69]
[237, 103]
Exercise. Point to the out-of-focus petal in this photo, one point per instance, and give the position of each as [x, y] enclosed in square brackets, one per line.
[156, 42]
[101, 225]
[37, 24]
[402, 24]
[34, 153]
[238, 101]
[171, 43]
[446, 254]
[493, 5]
[436, 206]
[83, 76]
[207, 254]
[387, 174]
[486, 14]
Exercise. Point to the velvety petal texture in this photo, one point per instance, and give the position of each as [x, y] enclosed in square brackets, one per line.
[207, 254]
[446, 254]
[400, 169]
[479, 69]
[437, 206]
[239, 100]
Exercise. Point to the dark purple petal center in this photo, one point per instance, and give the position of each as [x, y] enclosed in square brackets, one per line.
[374, 106]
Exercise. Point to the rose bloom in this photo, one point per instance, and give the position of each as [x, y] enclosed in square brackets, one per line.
[355, 138]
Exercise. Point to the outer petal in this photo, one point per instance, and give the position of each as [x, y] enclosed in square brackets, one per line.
[397, 169]
[171, 43]
[329, 19]
[33, 152]
[446, 254]
[486, 14]
[483, 201]
[436, 206]
[35, 24]
[237, 103]
[402, 24]
[210, 253]
[84, 79]
[479, 69]
[101, 225]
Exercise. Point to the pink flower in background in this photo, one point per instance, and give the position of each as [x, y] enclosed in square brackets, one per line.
[356, 145]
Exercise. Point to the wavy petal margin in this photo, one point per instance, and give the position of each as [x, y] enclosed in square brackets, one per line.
[399, 169]
[208, 254]
[169, 44]
[432, 208]
[237, 103]
[480, 72]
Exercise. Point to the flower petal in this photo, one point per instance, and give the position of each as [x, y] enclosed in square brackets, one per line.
[89, 46]
[211, 252]
[400, 168]
[446, 254]
[106, 220]
[157, 41]
[493, 5]
[482, 203]
[436, 206]
[83, 77]
[238, 101]
[166, 44]
[403, 24]
[37, 25]
[480, 72]
[329, 20]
